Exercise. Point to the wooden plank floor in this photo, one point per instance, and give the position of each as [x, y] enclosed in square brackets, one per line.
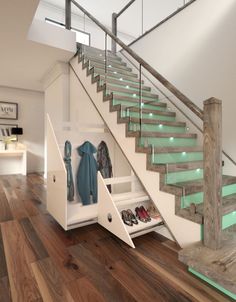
[39, 261]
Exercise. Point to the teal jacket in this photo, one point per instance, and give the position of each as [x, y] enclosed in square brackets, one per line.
[87, 173]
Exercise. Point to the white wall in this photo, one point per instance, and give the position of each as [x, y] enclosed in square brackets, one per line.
[154, 11]
[195, 50]
[31, 119]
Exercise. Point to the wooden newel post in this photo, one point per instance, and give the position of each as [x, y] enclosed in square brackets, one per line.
[212, 152]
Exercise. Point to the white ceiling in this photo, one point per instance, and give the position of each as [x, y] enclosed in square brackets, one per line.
[22, 62]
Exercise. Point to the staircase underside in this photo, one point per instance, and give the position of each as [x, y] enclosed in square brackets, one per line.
[219, 266]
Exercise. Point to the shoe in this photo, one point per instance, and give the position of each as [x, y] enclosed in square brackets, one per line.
[126, 218]
[153, 213]
[132, 217]
[140, 215]
[145, 214]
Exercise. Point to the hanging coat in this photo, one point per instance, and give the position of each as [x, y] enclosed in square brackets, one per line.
[87, 173]
[104, 162]
[70, 182]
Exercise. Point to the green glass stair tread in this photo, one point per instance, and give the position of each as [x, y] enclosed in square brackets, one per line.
[101, 60]
[94, 56]
[198, 197]
[228, 205]
[129, 104]
[152, 111]
[117, 77]
[122, 87]
[113, 68]
[102, 55]
[158, 122]
[175, 178]
[166, 142]
[128, 90]
[177, 149]
[210, 263]
[156, 128]
[123, 83]
[194, 186]
[116, 72]
[97, 52]
[116, 61]
[144, 134]
[101, 64]
[167, 150]
[135, 99]
[167, 158]
[147, 114]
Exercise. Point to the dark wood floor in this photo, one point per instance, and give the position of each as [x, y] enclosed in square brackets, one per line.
[41, 262]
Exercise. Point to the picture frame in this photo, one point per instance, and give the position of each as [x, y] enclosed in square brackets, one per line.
[8, 111]
[5, 132]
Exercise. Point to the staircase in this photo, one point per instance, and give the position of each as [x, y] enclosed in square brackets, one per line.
[173, 156]
[170, 149]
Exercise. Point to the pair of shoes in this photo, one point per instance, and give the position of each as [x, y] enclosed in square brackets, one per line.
[153, 213]
[128, 217]
[142, 214]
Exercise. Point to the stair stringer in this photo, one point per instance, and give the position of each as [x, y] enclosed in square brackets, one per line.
[185, 232]
[106, 206]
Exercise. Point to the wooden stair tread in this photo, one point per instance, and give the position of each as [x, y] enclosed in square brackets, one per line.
[135, 100]
[194, 186]
[161, 134]
[120, 107]
[226, 180]
[183, 166]
[156, 122]
[99, 62]
[170, 149]
[228, 205]
[117, 75]
[117, 81]
[119, 69]
[116, 90]
[117, 72]
[217, 265]
[175, 167]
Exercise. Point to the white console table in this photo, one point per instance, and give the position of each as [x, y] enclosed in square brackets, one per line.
[13, 161]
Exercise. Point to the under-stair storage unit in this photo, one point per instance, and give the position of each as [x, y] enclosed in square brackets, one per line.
[68, 214]
[111, 204]
[107, 211]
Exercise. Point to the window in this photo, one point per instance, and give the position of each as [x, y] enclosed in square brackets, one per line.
[81, 36]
